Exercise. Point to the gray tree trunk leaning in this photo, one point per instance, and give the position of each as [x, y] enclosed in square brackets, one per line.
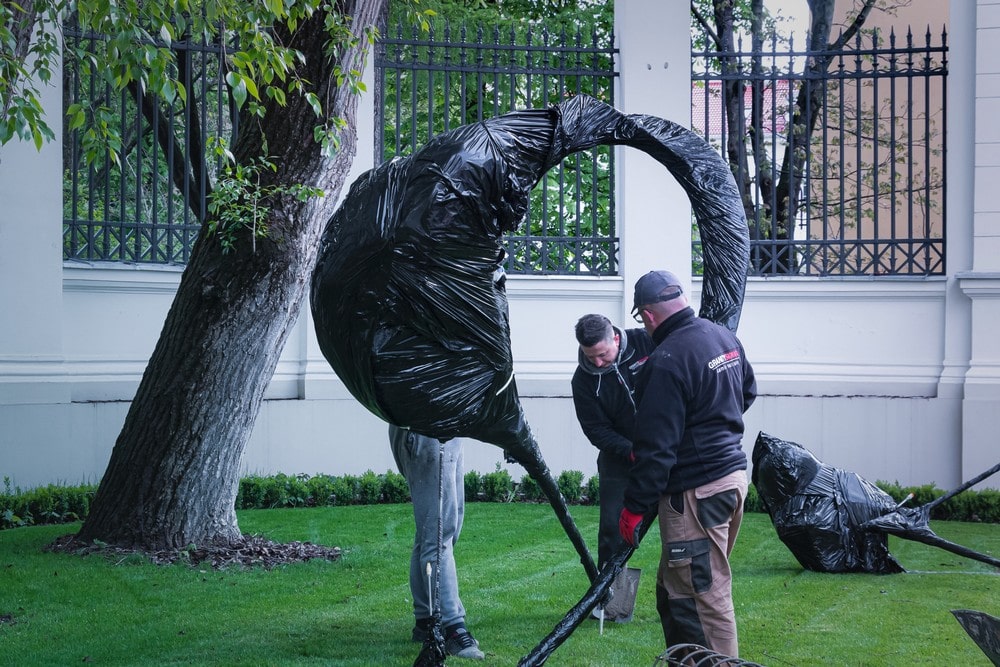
[173, 475]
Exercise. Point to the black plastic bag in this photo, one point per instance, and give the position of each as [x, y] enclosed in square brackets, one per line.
[818, 511]
[836, 521]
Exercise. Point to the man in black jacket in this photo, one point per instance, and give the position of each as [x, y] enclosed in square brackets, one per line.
[689, 465]
[603, 387]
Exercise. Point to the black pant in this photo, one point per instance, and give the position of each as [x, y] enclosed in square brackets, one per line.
[612, 471]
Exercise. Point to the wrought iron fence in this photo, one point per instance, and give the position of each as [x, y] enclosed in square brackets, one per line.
[428, 84]
[146, 207]
[861, 191]
[867, 199]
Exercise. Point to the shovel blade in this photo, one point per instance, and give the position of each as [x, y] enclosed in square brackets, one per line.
[623, 593]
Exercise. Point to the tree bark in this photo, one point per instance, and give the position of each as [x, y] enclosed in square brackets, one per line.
[173, 475]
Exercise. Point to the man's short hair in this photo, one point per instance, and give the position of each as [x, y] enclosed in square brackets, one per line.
[592, 329]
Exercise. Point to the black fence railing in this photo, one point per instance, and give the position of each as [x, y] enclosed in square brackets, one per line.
[862, 193]
[839, 154]
[148, 205]
[430, 83]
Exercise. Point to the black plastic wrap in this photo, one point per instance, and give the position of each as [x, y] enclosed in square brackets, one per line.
[819, 511]
[408, 294]
[836, 521]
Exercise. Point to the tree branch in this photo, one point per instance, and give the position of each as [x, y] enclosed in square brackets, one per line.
[703, 22]
[855, 26]
[177, 162]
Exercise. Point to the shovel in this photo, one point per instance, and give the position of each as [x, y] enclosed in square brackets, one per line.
[623, 592]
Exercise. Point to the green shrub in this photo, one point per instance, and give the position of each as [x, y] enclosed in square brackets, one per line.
[251, 493]
[924, 494]
[593, 490]
[752, 502]
[297, 493]
[498, 487]
[570, 484]
[283, 490]
[273, 493]
[530, 491]
[44, 505]
[473, 485]
[394, 488]
[321, 490]
[980, 506]
[60, 504]
[369, 488]
[345, 490]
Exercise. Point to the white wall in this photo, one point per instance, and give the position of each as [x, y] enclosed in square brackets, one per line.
[896, 379]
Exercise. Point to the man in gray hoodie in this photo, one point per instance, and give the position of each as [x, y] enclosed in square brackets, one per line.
[603, 394]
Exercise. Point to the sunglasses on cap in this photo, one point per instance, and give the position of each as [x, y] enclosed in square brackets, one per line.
[637, 315]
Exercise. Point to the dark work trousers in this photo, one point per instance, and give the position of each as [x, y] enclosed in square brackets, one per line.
[694, 593]
[612, 475]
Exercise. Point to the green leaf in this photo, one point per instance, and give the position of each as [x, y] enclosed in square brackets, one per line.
[251, 87]
[277, 94]
[167, 92]
[276, 7]
[314, 103]
[239, 88]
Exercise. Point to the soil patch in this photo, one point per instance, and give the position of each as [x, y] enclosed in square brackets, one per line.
[248, 551]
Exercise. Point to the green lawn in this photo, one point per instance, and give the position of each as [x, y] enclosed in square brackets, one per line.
[519, 576]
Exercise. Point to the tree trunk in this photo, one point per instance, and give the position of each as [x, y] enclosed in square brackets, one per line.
[809, 103]
[174, 472]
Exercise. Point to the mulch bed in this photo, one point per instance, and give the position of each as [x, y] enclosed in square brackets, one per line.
[248, 551]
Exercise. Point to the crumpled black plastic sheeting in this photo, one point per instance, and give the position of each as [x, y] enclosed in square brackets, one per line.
[819, 511]
[408, 294]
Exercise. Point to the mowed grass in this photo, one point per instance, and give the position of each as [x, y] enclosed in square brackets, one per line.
[519, 576]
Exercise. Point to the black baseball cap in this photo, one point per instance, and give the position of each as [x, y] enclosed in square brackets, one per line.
[649, 288]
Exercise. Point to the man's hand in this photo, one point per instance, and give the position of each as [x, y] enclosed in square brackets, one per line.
[628, 526]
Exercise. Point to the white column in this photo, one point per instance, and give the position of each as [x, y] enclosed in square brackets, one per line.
[654, 214]
[960, 161]
[31, 336]
[981, 404]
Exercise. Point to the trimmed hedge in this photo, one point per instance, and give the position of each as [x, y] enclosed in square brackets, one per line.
[63, 504]
[44, 504]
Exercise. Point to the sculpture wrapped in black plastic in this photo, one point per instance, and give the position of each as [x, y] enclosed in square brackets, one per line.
[408, 296]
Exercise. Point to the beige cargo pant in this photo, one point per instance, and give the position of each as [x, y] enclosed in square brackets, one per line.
[694, 594]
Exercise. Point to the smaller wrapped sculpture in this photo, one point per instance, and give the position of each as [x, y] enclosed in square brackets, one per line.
[836, 521]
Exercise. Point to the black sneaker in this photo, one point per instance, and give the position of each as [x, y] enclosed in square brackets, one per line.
[461, 644]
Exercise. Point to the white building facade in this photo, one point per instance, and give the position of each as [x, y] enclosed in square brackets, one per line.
[895, 378]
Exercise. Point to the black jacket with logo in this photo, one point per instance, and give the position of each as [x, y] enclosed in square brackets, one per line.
[603, 397]
[693, 391]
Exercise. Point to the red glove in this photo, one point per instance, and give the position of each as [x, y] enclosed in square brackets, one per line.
[628, 526]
